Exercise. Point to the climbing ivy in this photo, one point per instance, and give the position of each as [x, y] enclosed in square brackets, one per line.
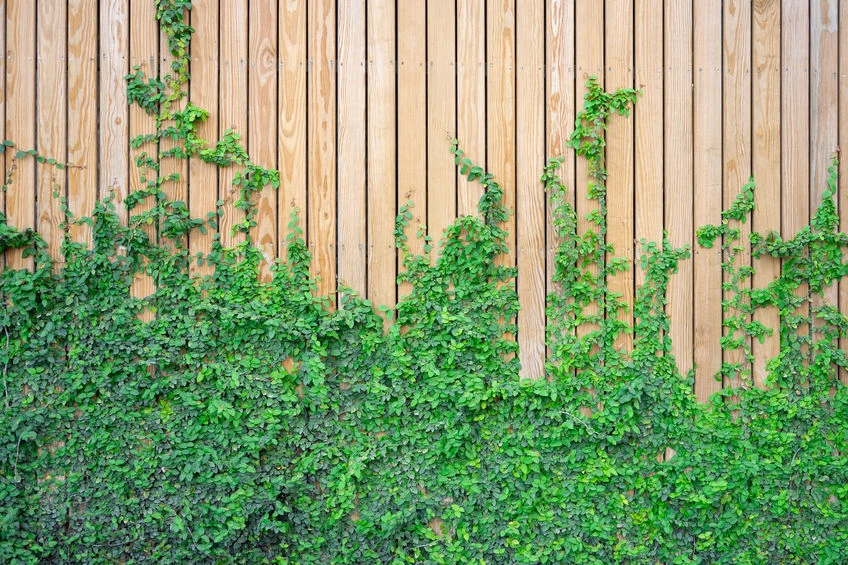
[225, 419]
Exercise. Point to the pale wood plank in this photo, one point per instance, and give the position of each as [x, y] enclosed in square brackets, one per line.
[382, 153]
[708, 195]
[232, 106]
[843, 155]
[322, 142]
[3, 113]
[20, 119]
[262, 139]
[530, 197]
[203, 92]
[82, 112]
[352, 262]
[291, 121]
[441, 117]
[766, 164]
[114, 111]
[176, 189]
[620, 144]
[51, 95]
[678, 173]
[412, 122]
[471, 97]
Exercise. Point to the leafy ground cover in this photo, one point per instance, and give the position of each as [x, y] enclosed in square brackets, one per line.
[247, 422]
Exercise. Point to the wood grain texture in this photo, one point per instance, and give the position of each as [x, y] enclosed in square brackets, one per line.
[412, 122]
[843, 155]
[20, 120]
[620, 144]
[382, 154]
[82, 113]
[321, 142]
[500, 107]
[471, 97]
[291, 119]
[114, 111]
[352, 138]
[203, 92]
[232, 110]
[262, 137]
[51, 95]
[708, 178]
[3, 114]
[530, 196]
[678, 173]
[765, 161]
[441, 117]
[175, 189]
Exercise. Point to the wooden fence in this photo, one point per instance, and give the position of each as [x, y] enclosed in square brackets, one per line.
[354, 102]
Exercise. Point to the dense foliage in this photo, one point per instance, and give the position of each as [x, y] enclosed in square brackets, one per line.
[245, 421]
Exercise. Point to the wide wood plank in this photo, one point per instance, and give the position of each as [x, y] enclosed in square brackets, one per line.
[51, 96]
[114, 111]
[353, 268]
[321, 141]
[262, 138]
[678, 173]
[20, 120]
[82, 112]
[530, 197]
[471, 97]
[382, 154]
[766, 164]
[707, 187]
[412, 122]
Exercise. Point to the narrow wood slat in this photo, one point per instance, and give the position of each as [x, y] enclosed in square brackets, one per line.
[412, 122]
[232, 112]
[321, 141]
[176, 189]
[82, 113]
[291, 121]
[382, 153]
[352, 262]
[620, 143]
[20, 119]
[843, 155]
[708, 195]
[203, 92]
[766, 164]
[500, 107]
[441, 117]
[3, 120]
[530, 197]
[471, 97]
[114, 114]
[262, 139]
[678, 173]
[52, 127]
[144, 52]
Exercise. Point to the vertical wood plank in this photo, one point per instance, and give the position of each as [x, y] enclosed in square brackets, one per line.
[203, 92]
[471, 96]
[321, 141]
[619, 157]
[678, 173]
[530, 197]
[233, 106]
[175, 187]
[114, 114]
[52, 128]
[3, 114]
[20, 119]
[82, 113]
[500, 107]
[708, 195]
[262, 139]
[144, 52]
[766, 164]
[291, 123]
[843, 155]
[412, 122]
[382, 155]
[441, 116]
[353, 270]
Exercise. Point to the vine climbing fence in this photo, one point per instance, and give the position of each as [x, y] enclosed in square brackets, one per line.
[354, 101]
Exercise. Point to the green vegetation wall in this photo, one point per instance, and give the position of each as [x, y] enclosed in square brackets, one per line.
[226, 418]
